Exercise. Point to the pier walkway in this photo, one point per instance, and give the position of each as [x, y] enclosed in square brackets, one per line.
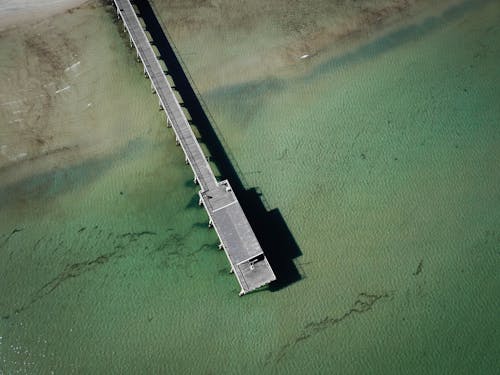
[236, 236]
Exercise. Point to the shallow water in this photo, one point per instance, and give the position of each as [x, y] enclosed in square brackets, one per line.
[384, 163]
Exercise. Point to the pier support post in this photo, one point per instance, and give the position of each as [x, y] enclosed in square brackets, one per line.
[231, 224]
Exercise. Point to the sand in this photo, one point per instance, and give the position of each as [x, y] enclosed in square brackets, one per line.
[227, 42]
[17, 12]
[383, 164]
[55, 98]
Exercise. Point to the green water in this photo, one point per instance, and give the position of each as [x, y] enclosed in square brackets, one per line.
[383, 162]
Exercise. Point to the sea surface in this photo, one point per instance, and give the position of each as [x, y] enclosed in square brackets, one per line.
[383, 161]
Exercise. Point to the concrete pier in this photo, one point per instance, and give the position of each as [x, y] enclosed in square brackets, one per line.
[248, 262]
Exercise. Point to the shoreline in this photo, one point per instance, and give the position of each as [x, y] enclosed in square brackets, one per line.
[52, 105]
[15, 12]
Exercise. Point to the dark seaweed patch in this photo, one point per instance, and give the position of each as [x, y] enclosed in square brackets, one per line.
[9, 236]
[120, 242]
[419, 269]
[134, 236]
[363, 303]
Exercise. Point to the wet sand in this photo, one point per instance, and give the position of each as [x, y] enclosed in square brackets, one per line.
[58, 92]
[15, 13]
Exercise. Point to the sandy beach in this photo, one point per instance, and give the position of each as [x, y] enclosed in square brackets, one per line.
[16, 12]
[54, 100]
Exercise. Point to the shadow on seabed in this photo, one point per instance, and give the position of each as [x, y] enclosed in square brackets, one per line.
[269, 226]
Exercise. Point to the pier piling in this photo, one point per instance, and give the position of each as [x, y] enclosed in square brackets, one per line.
[248, 261]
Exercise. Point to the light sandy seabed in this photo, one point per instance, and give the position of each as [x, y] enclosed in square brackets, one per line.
[46, 84]
[384, 166]
[228, 42]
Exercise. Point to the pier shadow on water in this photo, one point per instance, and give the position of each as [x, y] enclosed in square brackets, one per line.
[269, 226]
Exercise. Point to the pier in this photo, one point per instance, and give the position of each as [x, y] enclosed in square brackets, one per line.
[246, 257]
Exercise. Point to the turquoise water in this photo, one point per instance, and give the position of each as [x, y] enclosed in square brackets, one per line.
[384, 164]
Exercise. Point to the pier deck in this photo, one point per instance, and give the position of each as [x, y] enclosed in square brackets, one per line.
[237, 238]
